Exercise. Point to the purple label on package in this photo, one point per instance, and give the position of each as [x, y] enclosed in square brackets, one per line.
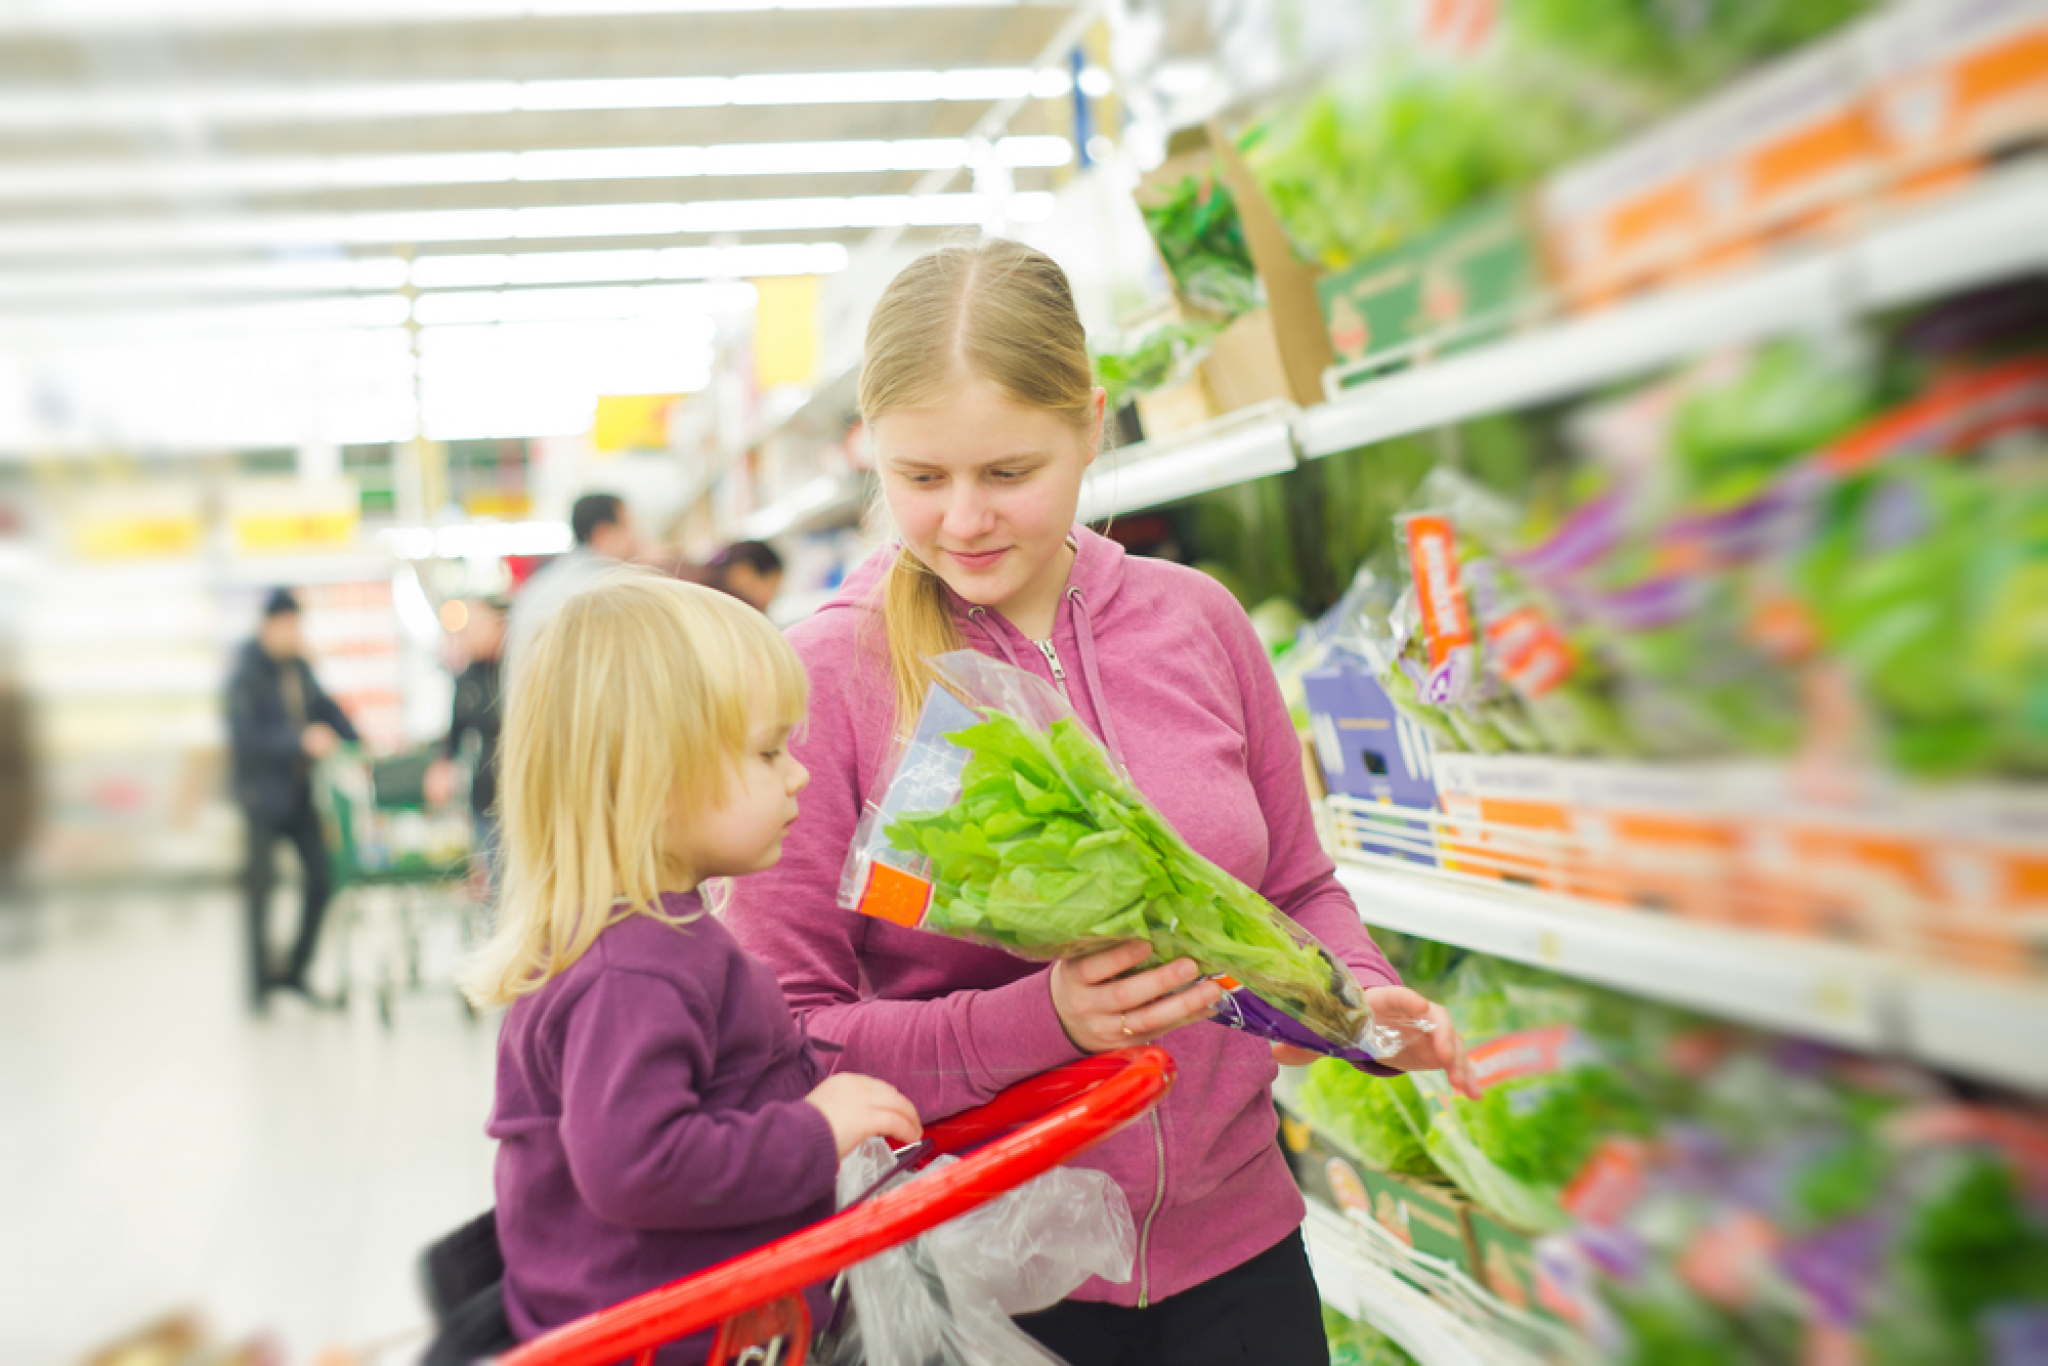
[1241, 1009]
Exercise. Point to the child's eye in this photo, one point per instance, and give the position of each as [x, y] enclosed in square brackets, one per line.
[771, 755]
[1009, 476]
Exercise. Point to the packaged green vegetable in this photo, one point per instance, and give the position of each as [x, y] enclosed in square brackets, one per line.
[1374, 1118]
[1004, 822]
[1557, 1131]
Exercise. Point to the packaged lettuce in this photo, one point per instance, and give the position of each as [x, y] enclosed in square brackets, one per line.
[1556, 1134]
[1375, 1118]
[1004, 822]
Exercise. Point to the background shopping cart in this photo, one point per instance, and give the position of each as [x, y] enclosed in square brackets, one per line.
[756, 1299]
[402, 870]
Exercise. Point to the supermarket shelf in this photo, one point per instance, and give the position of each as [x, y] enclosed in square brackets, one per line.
[1994, 1030]
[1240, 446]
[1354, 1278]
[1985, 233]
[1822, 991]
[1984, 1027]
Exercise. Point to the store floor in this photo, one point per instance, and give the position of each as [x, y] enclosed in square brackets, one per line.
[161, 1149]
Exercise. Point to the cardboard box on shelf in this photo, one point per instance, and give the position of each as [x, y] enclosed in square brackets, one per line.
[1429, 1217]
[1290, 326]
[1175, 408]
[1508, 1262]
[1471, 279]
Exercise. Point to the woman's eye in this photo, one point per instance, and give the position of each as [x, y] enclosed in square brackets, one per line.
[771, 755]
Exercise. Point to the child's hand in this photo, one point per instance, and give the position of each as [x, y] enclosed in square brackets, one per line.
[860, 1108]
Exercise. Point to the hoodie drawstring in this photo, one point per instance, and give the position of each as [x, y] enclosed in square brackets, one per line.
[979, 616]
[1084, 632]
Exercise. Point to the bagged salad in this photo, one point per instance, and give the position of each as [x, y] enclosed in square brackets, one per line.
[1005, 823]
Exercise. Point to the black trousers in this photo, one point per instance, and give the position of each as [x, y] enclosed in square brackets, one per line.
[299, 823]
[1265, 1312]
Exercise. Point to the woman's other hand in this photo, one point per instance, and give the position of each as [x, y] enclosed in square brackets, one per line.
[1101, 1008]
[1438, 1050]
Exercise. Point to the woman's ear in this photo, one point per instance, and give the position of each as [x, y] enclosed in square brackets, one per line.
[1099, 401]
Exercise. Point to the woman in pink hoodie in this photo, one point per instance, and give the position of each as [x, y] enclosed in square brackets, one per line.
[984, 414]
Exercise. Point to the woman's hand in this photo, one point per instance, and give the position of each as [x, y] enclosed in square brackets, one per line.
[1101, 1009]
[859, 1108]
[1439, 1050]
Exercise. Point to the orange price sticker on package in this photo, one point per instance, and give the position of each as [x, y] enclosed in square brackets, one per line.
[895, 896]
[1528, 1053]
[1533, 656]
[1440, 597]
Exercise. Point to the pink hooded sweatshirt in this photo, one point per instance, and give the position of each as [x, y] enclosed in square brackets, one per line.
[1162, 664]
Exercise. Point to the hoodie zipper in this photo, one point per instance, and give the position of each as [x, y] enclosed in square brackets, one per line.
[1158, 1199]
[1059, 675]
[1059, 679]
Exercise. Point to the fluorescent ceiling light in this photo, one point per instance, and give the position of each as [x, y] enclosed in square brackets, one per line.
[69, 106]
[74, 15]
[31, 183]
[370, 274]
[57, 238]
[692, 303]
[28, 289]
[588, 267]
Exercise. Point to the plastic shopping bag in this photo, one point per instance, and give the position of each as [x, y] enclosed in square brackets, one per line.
[1004, 822]
[946, 1298]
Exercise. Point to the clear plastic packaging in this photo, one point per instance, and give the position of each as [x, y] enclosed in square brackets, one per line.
[947, 1297]
[1004, 822]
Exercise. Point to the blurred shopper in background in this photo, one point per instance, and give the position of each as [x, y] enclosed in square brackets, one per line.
[281, 723]
[479, 710]
[749, 570]
[17, 807]
[605, 534]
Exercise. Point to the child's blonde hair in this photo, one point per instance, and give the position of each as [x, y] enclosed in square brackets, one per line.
[998, 311]
[636, 695]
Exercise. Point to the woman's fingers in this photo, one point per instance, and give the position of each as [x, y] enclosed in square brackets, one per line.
[1162, 1014]
[1097, 968]
[1129, 993]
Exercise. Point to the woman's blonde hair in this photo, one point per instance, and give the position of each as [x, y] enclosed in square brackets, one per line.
[998, 311]
[635, 696]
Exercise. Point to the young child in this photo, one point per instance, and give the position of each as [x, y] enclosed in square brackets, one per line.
[657, 1110]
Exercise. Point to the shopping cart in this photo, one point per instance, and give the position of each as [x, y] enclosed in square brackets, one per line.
[396, 861]
[756, 1300]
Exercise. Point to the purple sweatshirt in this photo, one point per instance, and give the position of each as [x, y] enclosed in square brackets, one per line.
[1162, 663]
[651, 1122]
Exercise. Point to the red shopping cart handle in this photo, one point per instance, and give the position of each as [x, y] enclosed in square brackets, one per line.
[1026, 1131]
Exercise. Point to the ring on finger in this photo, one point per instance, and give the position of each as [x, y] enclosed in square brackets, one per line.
[1125, 1025]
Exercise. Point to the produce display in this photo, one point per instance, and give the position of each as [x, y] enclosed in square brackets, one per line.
[1690, 1192]
[1158, 356]
[1727, 534]
[1006, 823]
[1201, 238]
[1379, 155]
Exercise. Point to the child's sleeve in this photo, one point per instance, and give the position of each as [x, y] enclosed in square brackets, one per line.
[636, 1051]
